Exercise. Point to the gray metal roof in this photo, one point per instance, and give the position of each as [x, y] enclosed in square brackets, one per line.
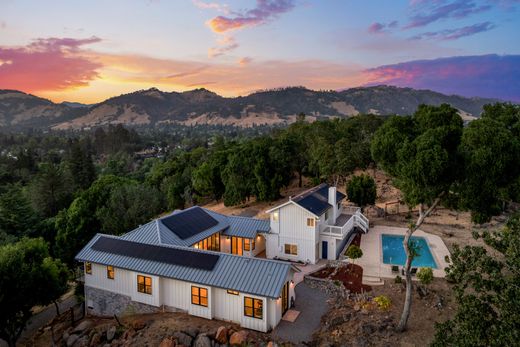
[248, 275]
[155, 232]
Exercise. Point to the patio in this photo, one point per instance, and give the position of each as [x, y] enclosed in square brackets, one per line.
[372, 259]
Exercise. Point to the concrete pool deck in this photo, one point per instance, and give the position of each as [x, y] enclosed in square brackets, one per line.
[372, 259]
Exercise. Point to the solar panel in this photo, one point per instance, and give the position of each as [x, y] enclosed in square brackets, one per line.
[313, 204]
[190, 222]
[174, 256]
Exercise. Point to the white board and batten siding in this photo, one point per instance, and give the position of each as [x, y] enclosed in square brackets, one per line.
[125, 283]
[292, 229]
[175, 294]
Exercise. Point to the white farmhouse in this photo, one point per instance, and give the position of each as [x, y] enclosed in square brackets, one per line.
[195, 261]
[312, 226]
[214, 266]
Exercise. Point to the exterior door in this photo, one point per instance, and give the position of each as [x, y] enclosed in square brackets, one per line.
[285, 298]
[237, 245]
[324, 249]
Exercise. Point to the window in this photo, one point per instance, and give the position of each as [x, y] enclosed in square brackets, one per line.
[247, 244]
[88, 268]
[253, 244]
[310, 222]
[232, 292]
[110, 272]
[144, 284]
[199, 296]
[291, 249]
[276, 215]
[211, 243]
[237, 245]
[253, 307]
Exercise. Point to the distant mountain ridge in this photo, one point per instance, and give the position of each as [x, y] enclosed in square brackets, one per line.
[153, 107]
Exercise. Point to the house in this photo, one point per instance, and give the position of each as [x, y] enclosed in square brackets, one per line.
[196, 261]
[214, 266]
[312, 226]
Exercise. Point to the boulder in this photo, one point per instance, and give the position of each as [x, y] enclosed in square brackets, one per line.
[65, 335]
[81, 327]
[95, 340]
[111, 333]
[272, 344]
[239, 338]
[221, 335]
[182, 338]
[202, 341]
[82, 342]
[72, 340]
[167, 342]
[138, 324]
[193, 332]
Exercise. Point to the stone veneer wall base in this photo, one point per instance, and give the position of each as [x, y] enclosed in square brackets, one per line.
[105, 303]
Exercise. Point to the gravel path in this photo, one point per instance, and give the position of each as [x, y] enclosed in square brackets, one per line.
[312, 304]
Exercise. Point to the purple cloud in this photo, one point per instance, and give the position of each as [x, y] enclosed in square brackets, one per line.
[431, 11]
[454, 34]
[264, 11]
[493, 76]
[378, 28]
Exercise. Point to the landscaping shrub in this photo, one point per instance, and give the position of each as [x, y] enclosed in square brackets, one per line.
[425, 275]
[354, 252]
[447, 258]
[398, 279]
[383, 302]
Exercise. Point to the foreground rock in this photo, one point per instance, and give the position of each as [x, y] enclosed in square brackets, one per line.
[239, 338]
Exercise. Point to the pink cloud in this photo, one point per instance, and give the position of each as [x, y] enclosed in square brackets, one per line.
[47, 64]
[264, 11]
[491, 76]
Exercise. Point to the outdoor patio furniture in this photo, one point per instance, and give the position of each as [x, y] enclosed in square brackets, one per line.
[413, 272]
[395, 269]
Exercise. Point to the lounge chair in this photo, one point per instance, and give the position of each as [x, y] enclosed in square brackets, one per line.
[395, 269]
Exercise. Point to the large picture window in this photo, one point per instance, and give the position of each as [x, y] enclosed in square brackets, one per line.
[144, 284]
[199, 296]
[211, 243]
[253, 307]
[291, 249]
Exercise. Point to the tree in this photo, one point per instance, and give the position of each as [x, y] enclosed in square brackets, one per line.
[29, 277]
[354, 252]
[362, 190]
[81, 166]
[420, 152]
[17, 218]
[50, 190]
[486, 290]
[434, 161]
[425, 275]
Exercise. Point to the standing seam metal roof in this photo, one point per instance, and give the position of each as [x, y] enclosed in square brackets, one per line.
[248, 275]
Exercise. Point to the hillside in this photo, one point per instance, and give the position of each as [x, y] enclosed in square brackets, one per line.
[153, 107]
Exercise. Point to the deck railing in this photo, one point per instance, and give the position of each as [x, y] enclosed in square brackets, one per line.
[357, 219]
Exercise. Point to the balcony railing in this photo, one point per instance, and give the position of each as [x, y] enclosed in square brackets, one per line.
[357, 219]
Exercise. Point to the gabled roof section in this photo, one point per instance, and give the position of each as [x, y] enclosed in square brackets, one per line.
[157, 232]
[314, 200]
[248, 275]
[246, 227]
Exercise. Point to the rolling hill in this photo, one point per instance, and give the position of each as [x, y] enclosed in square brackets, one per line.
[153, 107]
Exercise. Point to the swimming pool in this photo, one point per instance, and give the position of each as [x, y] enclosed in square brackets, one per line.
[393, 251]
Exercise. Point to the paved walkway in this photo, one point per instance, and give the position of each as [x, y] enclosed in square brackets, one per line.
[312, 304]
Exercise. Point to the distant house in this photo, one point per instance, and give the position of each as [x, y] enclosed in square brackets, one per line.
[313, 226]
[196, 261]
[214, 266]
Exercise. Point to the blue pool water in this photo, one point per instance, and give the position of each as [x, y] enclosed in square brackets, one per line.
[393, 251]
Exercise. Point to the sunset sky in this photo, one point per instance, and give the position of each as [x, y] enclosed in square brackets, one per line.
[87, 51]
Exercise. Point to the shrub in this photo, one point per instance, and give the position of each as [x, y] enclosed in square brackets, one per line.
[398, 279]
[354, 252]
[447, 258]
[337, 283]
[425, 275]
[383, 302]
